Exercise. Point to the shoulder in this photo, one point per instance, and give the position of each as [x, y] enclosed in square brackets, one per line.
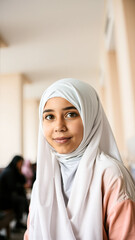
[111, 166]
[115, 177]
[6, 172]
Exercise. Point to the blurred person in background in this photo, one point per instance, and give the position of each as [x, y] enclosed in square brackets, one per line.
[34, 167]
[12, 190]
[27, 172]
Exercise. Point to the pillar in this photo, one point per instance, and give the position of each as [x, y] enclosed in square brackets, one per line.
[124, 12]
[30, 129]
[11, 117]
[113, 101]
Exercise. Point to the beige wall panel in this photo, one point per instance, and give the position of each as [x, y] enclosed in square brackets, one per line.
[129, 13]
[113, 103]
[124, 68]
[11, 114]
[30, 130]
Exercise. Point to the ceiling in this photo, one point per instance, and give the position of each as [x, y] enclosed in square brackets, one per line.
[48, 40]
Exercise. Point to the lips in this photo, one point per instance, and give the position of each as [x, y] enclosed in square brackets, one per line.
[62, 139]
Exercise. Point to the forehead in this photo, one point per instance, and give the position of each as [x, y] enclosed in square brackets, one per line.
[57, 102]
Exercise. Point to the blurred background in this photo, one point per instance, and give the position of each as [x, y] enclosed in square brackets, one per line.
[42, 41]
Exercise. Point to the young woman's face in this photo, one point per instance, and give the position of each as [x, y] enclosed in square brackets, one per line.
[62, 125]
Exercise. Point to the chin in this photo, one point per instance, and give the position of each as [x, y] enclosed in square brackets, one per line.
[64, 151]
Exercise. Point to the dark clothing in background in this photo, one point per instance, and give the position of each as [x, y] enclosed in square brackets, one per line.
[12, 191]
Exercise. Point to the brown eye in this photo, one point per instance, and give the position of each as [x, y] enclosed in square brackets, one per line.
[49, 117]
[71, 115]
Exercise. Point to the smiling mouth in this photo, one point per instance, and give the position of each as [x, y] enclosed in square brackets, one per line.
[62, 140]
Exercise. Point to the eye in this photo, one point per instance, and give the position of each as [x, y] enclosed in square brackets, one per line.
[71, 115]
[49, 117]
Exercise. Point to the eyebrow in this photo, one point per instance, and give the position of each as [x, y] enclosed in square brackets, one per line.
[67, 108]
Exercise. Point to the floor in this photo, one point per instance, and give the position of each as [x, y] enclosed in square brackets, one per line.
[13, 234]
[17, 236]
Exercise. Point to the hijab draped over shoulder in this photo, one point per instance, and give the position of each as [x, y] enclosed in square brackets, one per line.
[66, 203]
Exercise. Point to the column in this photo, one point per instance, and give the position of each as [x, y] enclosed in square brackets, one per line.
[30, 126]
[11, 116]
[113, 103]
[124, 12]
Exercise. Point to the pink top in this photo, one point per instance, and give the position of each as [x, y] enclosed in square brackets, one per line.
[118, 209]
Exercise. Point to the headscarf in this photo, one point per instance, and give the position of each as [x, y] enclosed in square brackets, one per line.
[14, 161]
[50, 218]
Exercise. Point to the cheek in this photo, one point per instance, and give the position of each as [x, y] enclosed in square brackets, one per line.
[46, 131]
[78, 129]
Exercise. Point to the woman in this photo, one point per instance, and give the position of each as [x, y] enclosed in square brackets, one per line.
[82, 190]
[12, 191]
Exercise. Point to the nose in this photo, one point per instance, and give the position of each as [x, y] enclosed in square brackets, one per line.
[60, 125]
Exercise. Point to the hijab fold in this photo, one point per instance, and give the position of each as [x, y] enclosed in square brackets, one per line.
[81, 181]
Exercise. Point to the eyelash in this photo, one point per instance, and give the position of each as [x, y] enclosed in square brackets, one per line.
[72, 115]
[49, 115]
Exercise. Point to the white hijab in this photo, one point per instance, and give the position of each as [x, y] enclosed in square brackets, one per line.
[50, 218]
